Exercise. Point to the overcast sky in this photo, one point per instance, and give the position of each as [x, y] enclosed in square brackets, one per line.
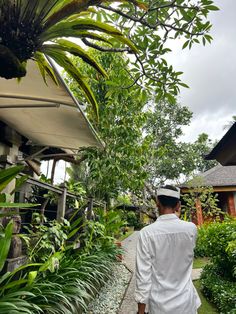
[210, 72]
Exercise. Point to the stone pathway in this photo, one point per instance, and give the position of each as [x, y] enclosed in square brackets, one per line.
[129, 306]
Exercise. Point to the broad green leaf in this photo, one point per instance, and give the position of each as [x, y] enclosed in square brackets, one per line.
[7, 175]
[31, 277]
[45, 67]
[5, 243]
[67, 28]
[76, 50]
[212, 8]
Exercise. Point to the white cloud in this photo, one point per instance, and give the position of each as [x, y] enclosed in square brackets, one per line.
[213, 125]
[210, 72]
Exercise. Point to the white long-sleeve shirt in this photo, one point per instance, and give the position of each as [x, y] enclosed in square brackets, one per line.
[164, 265]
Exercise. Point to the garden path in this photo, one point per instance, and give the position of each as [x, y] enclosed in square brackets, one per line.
[129, 305]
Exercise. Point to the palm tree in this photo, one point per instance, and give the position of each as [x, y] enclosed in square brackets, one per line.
[37, 29]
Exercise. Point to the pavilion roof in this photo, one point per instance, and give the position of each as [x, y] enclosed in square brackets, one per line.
[48, 115]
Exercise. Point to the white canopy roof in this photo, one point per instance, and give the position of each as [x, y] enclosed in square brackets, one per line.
[48, 115]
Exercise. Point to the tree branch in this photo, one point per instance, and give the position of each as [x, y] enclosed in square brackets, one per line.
[143, 22]
[104, 49]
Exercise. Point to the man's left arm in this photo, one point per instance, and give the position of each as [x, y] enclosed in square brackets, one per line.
[143, 274]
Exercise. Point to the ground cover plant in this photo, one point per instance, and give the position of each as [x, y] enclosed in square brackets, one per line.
[206, 307]
[220, 290]
[65, 283]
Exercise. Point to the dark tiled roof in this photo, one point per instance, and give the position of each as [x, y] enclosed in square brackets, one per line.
[225, 151]
[220, 176]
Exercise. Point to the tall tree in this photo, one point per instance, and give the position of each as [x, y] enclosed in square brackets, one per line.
[172, 159]
[122, 116]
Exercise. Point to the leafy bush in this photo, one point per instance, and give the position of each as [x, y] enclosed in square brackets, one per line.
[45, 238]
[220, 291]
[201, 244]
[113, 222]
[216, 241]
[132, 219]
[59, 290]
[231, 250]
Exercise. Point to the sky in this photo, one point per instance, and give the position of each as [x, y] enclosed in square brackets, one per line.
[210, 72]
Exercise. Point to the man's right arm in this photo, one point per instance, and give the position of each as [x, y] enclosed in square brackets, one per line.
[141, 308]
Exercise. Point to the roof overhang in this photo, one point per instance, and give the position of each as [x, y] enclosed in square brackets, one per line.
[225, 151]
[46, 114]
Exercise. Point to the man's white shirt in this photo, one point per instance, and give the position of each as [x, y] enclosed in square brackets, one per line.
[164, 266]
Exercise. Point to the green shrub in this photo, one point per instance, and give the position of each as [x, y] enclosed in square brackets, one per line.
[201, 244]
[214, 241]
[45, 237]
[133, 220]
[217, 289]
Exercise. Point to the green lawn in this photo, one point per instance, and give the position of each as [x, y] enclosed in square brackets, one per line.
[206, 307]
[200, 262]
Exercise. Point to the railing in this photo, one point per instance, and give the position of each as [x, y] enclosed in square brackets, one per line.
[27, 192]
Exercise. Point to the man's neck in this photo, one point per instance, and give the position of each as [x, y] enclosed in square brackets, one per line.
[166, 211]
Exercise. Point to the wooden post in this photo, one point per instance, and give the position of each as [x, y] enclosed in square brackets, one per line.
[61, 205]
[231, 204]
[199, 212]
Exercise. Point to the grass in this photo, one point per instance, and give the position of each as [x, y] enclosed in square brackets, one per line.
[206, 307]
[200, 262]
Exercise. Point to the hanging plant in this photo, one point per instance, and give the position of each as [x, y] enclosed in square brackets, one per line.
[33, 29]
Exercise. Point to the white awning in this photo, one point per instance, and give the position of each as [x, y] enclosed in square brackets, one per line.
[48, 115]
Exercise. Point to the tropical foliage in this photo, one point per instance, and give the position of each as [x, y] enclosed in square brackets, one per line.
[142, 137]
[39, 30]
[66, 280]
[219, 290]
[6, 176]
[120, 166]
[206, 196]
[61, 278]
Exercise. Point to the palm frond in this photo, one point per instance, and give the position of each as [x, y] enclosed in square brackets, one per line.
[62, 12]
[76, 50]
[73, 29]
[45, 67]
[61, 59]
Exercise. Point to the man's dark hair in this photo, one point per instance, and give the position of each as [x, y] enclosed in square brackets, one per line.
[168, 201]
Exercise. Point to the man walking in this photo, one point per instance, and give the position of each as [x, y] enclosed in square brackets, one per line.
[164, 260]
